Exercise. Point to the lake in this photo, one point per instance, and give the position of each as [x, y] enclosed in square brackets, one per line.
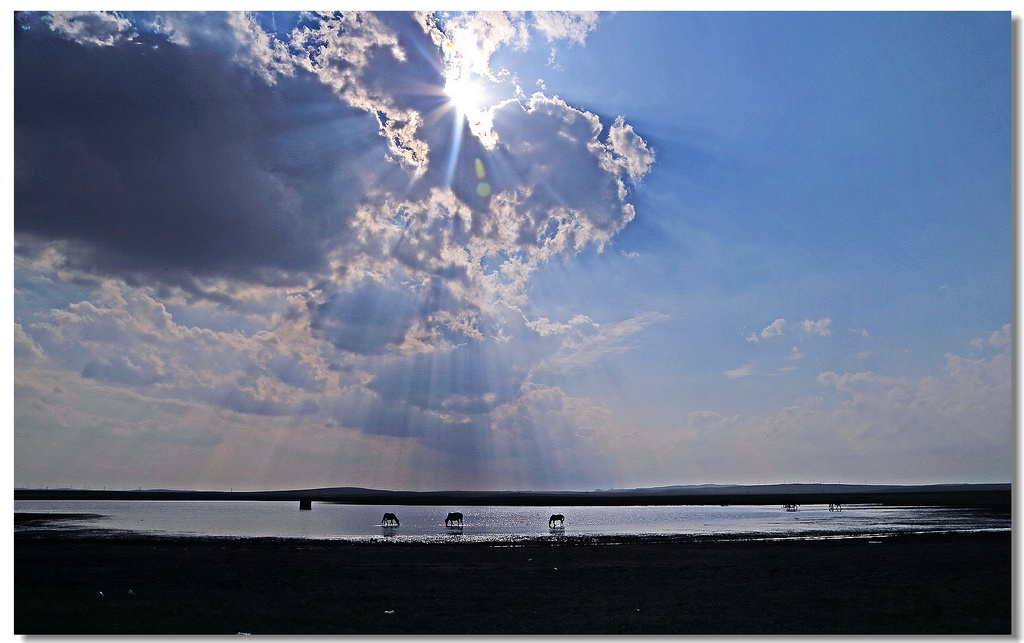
[499, 523]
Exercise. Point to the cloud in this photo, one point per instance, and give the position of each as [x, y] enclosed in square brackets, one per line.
[239, 190]
[773, 330]
[583, 342]
[277, 174]
[628, 151]
[742, 371]
[572, 25]
[1000, 339]
[899, 429]
[368, 319]
[820, 327]
[91, 27]
[26, 350]
[282, 232]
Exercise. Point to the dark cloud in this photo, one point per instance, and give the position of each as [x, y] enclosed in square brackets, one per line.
[156, 157]
[366, 320]
[294, 226]
[122, 370]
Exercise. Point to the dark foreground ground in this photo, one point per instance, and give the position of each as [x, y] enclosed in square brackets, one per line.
[908, 584]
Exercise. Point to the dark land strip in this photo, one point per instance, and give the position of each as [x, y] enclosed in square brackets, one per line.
[966, 495]
[923, 584]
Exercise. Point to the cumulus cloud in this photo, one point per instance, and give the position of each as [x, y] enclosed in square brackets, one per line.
[901, 429]
[999, 339]
[26, 350]
[233, 193]
[628, 151]
[820, 327]
[269, 225]
[573, 25]
[91, 27]
[773, 330]
[249, 191]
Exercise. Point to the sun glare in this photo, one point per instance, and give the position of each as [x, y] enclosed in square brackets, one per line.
[463, 62]
[464, 94]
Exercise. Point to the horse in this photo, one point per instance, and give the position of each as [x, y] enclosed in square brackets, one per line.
[835, 506]
[556, 518]
[452, 518]
[390, 518]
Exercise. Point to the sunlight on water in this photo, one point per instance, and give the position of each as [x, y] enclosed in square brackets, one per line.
[496, 523]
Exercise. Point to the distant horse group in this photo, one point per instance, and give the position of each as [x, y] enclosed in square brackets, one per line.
[454, 518]
[835, 506]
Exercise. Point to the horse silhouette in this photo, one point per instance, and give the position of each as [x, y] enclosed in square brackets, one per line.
[452, 518]
[390, 518]
[556, 518]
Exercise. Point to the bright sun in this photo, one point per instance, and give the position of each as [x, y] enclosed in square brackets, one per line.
[464, 94]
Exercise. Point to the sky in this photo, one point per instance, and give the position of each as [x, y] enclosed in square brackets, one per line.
[511, 251]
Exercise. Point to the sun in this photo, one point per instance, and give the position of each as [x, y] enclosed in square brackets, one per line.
[465, 85]
[465, 95]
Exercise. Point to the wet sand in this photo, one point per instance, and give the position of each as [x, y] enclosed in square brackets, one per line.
[957, 583]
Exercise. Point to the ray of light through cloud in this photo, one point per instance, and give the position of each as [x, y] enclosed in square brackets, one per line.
[510, 250]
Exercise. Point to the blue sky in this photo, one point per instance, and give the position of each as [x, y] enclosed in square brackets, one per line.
[511, 250]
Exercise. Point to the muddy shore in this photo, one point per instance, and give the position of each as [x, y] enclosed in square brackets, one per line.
[910, 584]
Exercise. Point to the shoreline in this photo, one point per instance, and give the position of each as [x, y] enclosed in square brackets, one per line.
[35, 525]
[958, 583]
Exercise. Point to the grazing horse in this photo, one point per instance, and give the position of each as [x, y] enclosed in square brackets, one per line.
[452, 518]
[390, 518]
[556, 518]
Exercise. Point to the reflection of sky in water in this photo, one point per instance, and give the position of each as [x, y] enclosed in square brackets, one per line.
[492, 523]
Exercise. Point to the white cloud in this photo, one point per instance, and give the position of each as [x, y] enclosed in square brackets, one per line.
[772, 330]
[627, 151]
[571, 25]
[92, 27]
[742, 371]
[26, 350]
[584, 342]
[268, 56]
[1000, 339]
[896, 429]
[820, 327]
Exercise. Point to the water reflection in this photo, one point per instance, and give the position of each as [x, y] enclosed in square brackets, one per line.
[498, 523]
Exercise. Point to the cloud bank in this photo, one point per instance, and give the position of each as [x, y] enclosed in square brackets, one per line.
[247, 223]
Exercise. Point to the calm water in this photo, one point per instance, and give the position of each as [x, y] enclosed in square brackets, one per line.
[494, 523]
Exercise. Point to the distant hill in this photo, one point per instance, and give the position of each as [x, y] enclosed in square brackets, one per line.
[790, 493]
